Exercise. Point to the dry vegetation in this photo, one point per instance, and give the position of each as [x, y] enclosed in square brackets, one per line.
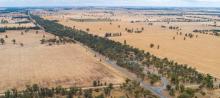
[63, 64]
[200, 52]
[36, 57]
[14, 20]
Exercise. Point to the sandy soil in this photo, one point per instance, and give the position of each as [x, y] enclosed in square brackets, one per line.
[66, 65]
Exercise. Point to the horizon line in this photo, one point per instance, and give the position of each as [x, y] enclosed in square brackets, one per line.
[62, 6]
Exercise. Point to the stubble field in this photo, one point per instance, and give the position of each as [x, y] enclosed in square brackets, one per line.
[201, 52]
[49, 66]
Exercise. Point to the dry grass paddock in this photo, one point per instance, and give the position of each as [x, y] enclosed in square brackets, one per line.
[201, 53]
[66, 65]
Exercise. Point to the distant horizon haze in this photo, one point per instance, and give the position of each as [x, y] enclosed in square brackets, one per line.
[141, 3]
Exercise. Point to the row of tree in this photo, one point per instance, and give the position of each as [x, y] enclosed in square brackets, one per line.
[18, 28]
[2, 41]
[134, 31]
[214, 32]
[112, 34]
[2, 30]
[129, 57]
[130, 89]
[56, 41]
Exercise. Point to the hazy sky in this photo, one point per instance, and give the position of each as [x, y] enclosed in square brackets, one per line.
[195, 3]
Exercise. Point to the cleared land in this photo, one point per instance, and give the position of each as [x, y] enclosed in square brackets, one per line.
[66, 65]
[16, 20]
[201, 53]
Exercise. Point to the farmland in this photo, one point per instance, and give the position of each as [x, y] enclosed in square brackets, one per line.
[15, 20]
[171, 44]
[110, 52]
[49, 66]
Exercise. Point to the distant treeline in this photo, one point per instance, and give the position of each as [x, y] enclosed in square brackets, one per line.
[93, 20]
[20, 17]
[215, 32]
[129, 57]
[23, 22]
[2, 30]
[12, 9]
[150, 8]
[18, 28]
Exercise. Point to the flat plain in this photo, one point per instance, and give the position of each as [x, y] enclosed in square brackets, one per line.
[200, 52]
[49, 66]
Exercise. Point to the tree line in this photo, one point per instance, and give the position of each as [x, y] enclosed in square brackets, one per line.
[129, 57]
[2, 30]
[130, 89]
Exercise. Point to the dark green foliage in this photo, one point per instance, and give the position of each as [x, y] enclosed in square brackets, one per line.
[153, 78]
[208, 81]
[100, 96]
[184, 95]
[3, 21]
[168, 87]
[172, 92]
[95, 83]
[182, 88]
[188, 93]
[214, 32]
[134, 90]
[2, 30]
[18, 28]
[2, 41]
[88, 93]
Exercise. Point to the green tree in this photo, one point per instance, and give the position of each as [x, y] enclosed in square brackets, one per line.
[7, 94]
[151, 45]
[2, 41]
[88, 93]
[209, 81]
[182, 88]
[100, 96]
[95, 83]
[168, 87]
[184, 95]
[14, 41]
[172, 92]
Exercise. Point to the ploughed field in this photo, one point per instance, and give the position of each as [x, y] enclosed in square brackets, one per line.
[200, 52]
[64, 64]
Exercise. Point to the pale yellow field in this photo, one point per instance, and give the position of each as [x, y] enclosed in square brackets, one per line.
[12, 22]
[202, 53]
[66, 65]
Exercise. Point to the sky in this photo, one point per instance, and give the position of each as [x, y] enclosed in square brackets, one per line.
[164, 3]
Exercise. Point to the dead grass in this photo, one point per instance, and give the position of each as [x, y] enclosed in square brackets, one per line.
[66, 65]
[201, 53]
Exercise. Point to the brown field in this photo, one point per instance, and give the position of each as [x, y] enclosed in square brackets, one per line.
[201, 53]
[66, 65]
